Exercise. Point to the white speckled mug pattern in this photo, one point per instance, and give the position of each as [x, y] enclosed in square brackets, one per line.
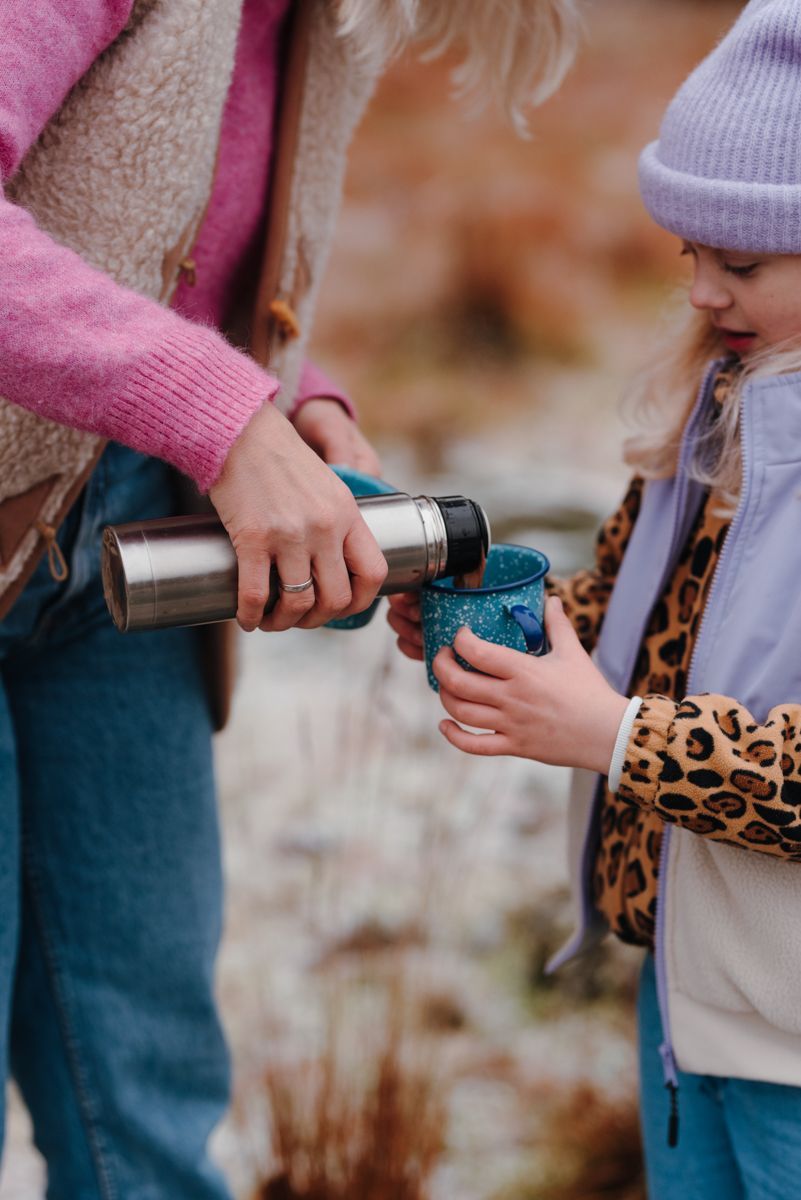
[508, 609]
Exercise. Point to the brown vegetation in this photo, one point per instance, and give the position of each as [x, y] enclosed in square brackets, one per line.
[470, 266]
[343, 1129]
[594, 1149]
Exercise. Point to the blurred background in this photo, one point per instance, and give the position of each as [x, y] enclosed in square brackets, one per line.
[391, 903]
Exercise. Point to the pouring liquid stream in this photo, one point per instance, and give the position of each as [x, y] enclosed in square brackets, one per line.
[472, 579]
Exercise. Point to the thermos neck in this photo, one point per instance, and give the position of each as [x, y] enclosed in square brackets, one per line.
[467, 534]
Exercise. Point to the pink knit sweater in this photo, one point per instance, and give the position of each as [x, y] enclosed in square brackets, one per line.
[78, 348]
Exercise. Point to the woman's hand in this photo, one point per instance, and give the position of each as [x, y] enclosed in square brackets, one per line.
[281, 504]
[555, 709]
[404, 619]
[326, 427]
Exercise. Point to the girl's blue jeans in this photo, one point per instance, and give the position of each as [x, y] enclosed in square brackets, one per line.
[110, 882]
[738, 1139]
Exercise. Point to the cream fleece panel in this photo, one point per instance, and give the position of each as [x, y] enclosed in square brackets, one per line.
[151, 105]
[748, 901]
[737, 1045]
[338, 88]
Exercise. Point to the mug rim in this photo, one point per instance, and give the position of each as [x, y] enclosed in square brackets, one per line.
[353, 478]
[449, 589]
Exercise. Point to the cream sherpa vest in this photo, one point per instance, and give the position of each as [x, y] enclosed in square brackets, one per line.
[122, 175]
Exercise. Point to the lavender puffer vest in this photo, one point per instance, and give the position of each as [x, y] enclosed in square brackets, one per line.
[728, 942]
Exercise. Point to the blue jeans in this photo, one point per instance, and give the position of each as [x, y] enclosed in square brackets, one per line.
[738, 1139]
[110, 880]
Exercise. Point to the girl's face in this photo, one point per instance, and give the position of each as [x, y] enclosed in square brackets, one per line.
[753, 299]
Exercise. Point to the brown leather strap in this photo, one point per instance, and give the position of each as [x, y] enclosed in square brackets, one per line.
[11, 593]
[266, 329]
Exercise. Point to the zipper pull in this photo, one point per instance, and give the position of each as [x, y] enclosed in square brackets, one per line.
[672, 1085]
[673, 1118]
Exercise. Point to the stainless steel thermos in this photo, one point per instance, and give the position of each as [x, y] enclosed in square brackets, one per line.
[183, 570]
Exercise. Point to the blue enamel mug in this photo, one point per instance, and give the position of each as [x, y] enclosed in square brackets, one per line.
[361, 485]
[508, 609]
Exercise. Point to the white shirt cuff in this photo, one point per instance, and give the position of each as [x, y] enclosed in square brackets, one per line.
[622, 741]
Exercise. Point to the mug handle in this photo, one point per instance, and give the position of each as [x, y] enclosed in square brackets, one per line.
[533, 631]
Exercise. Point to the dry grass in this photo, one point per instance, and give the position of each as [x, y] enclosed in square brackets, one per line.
[372, 1129]
[595, 1149]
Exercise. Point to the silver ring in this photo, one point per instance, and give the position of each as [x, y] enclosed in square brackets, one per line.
[297, 587]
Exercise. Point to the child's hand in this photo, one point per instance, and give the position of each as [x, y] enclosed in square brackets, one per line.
[404, 617]
[555, 709]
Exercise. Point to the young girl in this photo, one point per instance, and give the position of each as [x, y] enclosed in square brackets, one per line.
[686, 835]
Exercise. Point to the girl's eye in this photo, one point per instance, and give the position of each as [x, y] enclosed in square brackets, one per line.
[742, 272]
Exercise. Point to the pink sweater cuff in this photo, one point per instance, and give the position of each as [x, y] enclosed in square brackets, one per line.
[187, 401]
[315, 385]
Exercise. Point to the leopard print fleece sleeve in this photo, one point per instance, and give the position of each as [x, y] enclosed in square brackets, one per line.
[585, 596]
[705, 764]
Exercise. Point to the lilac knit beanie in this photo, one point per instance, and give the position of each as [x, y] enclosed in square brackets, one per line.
[726, 170]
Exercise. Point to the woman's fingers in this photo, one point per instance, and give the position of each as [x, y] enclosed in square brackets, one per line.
[480, 716]
[254, 580]
[481, 744]
[294, 568]
[366, 566]
[332, 591]
[325, 426]
[364, 457]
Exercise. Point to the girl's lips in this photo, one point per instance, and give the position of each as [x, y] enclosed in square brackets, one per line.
[737, 340]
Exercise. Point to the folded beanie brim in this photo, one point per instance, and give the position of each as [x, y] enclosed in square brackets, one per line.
[760, 218]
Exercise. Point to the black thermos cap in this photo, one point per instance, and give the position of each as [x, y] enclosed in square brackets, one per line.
[467, 531]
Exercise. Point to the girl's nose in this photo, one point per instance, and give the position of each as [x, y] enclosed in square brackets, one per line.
[709, 290]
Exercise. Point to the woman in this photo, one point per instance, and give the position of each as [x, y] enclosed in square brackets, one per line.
[168, 166]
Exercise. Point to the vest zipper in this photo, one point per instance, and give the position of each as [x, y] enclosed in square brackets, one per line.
[666, 1053]
[669, 1068]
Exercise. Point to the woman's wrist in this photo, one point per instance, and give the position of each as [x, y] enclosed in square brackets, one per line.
[188, 401]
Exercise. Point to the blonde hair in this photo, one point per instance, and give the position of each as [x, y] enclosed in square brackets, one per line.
[660, 399]
[516, 52]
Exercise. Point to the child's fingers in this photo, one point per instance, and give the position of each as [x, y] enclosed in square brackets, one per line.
[482, 744]
[480, 716]
[499, 661]
[467, 685]
[410, 649]
[407, 603]
[559, 627]
[406, 629]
